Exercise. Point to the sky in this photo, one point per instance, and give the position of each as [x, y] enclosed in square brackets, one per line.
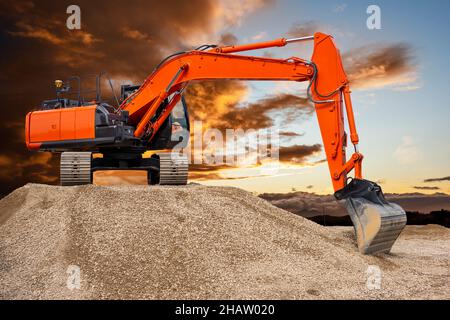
[399, 76]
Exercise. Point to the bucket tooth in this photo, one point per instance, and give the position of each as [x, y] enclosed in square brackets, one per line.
[377, 222]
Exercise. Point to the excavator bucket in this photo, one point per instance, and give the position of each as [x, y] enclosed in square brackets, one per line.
[377, 222]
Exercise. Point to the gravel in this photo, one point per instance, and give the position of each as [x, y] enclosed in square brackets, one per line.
[198, 242]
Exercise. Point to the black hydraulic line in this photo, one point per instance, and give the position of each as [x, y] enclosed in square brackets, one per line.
[203, 47]
[314, 80]
[167, 58]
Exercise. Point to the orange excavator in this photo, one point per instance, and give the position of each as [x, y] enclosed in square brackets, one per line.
[144, 120]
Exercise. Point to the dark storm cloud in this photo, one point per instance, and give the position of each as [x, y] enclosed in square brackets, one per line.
[426, 188]
[227, 39]
[298, 153]
[310, 204]
[437, 179]
[126, 40]
[217, 103]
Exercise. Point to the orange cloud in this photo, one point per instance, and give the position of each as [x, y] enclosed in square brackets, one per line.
[28, 31]
[134, 34]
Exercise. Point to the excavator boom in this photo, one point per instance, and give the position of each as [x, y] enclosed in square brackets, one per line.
[145, 113]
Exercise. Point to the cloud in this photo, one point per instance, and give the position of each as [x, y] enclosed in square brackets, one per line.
[310, 27]
[256, 115]
[310, 204]
[134, 34]
[372, 66]
[377, 66]
[437, 179]
[227, 39]
[340, 8]
[232, 13]
[217, 104]
[127, 31]
[292, 155]
[209, 101]
[28, 31]
[259, 36]
[305, 204]
[5, 161]
[303, 29]
[206, 172]
[290, 134]
[298, 153]
[426, 188]
[407, 152]
[38, 166]
[404, 88]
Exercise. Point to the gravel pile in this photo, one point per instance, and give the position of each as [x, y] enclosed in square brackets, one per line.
[195, 242]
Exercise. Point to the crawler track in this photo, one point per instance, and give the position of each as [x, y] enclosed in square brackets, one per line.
[75, 168]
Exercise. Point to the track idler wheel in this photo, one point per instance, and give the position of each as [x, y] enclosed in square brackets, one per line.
[377, 222]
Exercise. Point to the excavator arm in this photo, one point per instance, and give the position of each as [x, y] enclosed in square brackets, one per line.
[122, 135]
[329, 85]
[377, 222]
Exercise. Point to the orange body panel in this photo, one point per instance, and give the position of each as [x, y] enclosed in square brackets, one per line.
[60, 124]
[85, 123]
